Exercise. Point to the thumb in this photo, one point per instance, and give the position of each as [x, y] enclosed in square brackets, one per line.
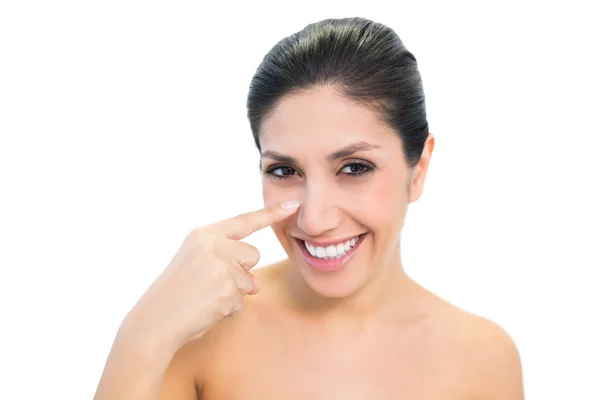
[255, 284]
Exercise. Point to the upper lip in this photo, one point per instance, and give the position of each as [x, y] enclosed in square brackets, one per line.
[325, 243]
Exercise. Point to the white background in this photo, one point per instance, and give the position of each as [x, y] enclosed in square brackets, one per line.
[123, 126]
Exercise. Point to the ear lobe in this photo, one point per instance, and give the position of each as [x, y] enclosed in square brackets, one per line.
[417, 179]
[415, 187]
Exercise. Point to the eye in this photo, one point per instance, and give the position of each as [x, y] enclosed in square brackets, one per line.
[354, 169]
[280, 172]
[357, 168]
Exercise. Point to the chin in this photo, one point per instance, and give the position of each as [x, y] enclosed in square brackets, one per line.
[333, 288]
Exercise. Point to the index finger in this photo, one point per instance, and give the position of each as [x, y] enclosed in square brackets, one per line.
[243, 225]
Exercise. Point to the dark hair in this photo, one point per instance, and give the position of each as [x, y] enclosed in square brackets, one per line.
[366, 61]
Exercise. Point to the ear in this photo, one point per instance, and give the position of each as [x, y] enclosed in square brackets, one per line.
[419, 172]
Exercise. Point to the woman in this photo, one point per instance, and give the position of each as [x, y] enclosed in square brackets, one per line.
[338, 114]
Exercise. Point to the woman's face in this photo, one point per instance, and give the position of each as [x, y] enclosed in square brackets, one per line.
[347, 170]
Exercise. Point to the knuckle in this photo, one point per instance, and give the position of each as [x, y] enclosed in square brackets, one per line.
[223, 307]
[237, 305]
[229, 300]
[250, 256]
[247, 284]
[209, 244]
[237, 309]
[255, 255]
[219, 279]
[228, 288]
[196, 233]
[222, 269]
[252, 253]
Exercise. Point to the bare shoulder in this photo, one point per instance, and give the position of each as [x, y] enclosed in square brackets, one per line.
[487, 354]
[496, 361]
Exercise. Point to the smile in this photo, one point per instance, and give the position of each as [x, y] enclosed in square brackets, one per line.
[332, 257]
[331, 251]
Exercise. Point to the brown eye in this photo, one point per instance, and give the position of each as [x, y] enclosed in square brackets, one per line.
[284, 171]
[356, 169]
[280, 172]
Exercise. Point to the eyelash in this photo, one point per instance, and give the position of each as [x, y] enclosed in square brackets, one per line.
[366, 168]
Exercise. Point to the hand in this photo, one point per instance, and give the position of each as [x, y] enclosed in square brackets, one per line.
[206, 279]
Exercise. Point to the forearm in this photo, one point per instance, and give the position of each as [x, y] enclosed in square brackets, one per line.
[135, 368]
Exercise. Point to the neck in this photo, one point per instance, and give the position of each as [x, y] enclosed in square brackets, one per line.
[385, 295]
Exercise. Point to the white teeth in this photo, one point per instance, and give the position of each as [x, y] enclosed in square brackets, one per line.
[311, 249]
[321, 252]
[333, 251]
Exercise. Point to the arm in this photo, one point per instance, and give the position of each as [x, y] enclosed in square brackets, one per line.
[203, 284]
[138, 368]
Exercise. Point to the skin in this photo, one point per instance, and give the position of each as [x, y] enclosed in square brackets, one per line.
[368, 331]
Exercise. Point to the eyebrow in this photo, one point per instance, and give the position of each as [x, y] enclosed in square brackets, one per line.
[343, 152]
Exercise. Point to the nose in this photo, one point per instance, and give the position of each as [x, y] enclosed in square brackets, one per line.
[319, 212]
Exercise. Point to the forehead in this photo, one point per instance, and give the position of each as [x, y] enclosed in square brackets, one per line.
[322, 118]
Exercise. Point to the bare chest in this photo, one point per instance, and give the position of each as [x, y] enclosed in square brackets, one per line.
[370, 367]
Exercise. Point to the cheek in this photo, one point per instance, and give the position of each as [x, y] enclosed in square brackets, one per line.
[273, 194]
[276, 193]
[270, 194]
[379, 204]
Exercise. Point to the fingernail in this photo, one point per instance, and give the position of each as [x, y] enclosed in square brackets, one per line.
[290, 204]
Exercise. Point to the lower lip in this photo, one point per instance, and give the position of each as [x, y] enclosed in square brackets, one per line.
[334, 264]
